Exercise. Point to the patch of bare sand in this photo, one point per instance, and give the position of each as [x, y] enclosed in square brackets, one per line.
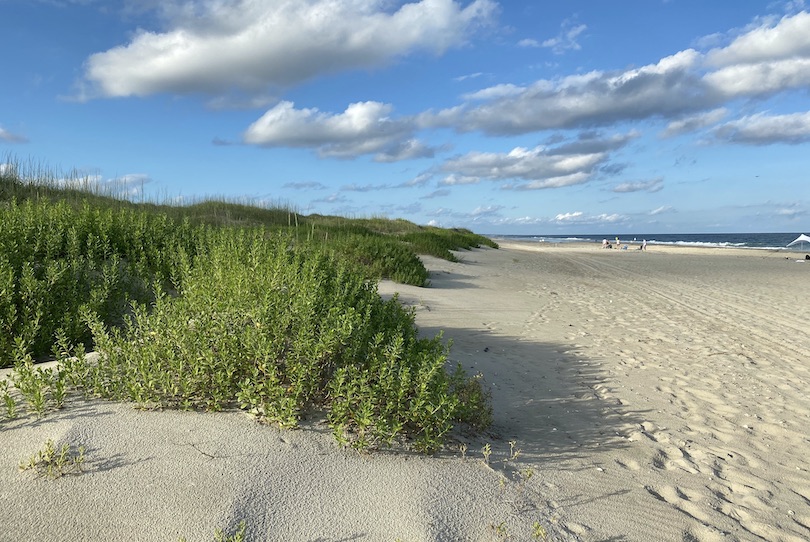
[658, 395]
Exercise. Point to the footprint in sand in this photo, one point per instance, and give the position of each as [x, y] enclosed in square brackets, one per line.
[629, 464]
[682, 499]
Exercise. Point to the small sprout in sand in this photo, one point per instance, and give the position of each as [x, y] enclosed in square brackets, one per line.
[54, 461]
[513, 452]
[538, 531]
[463, 449]
[500, 530]
[220, 536]
[487, 451]
[238, 536]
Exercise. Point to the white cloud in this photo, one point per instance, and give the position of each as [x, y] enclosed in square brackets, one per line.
[455, 179]
[580, 218]
[485, 211]
[763, 129]
[566, 40]
[760, 79]
[689, 87]
[567, 164]
[567, 217]
[305, 185]
[662, 209]
[442, 192]
[9, 137]
[653, 185]
[420, 180]
[468, 76]
[693, 123]
[363, 128]
[668, 88]
[528, 42]
[216, 47]
[788, 38]
[493, 93]
[558, 181]
[405, 150]
[354, 187]
[769, 58]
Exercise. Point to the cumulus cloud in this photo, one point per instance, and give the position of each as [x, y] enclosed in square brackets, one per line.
[567, 217]
[689, 88]
[215, 47]
[763, 129]
[668, 88]
[693, 123]
[652, 185]
[363, 128]
[566, 164]
[9, 137]
[769, 58]
[788, 38]
[566, 40]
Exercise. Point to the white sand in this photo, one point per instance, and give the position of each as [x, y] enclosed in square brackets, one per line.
[653, 396]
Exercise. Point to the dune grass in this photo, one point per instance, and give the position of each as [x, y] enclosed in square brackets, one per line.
[220, 305]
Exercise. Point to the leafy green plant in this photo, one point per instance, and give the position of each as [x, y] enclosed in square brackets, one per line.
[53, 461]
[8, 401]
[221, 305]
[237, 536]
[538, 531]
[41, 388]
[221, 536]
[487, 452]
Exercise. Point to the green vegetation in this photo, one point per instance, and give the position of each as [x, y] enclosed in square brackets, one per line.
[222, 536]
[221, 305]
[53, 461]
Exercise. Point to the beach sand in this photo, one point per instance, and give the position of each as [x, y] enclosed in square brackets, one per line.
[658, 395]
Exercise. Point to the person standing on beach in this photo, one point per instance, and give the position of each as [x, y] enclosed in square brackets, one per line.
[644, 244]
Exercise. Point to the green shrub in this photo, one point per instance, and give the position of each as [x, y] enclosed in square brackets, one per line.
[281, 331]
[220, 305]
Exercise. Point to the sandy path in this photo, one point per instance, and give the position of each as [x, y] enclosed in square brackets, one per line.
[659, 395]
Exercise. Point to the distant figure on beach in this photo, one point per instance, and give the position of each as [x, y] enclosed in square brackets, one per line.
[605, 243]
[644, 244]
[617, 242]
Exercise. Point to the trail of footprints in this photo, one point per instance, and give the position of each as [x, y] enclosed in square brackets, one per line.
[721, 489]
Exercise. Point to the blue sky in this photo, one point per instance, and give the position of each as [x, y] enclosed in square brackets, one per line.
[522, 117]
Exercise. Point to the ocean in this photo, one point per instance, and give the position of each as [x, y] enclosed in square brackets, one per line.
[761, 241]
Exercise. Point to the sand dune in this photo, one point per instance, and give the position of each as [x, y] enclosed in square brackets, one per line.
[638, 396]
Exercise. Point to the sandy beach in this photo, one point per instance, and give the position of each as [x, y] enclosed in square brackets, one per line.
[638, 395]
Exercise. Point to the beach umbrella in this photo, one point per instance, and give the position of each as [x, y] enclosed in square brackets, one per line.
[800, 239]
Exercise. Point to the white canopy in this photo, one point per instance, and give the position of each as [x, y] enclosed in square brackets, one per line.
[800, 239]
